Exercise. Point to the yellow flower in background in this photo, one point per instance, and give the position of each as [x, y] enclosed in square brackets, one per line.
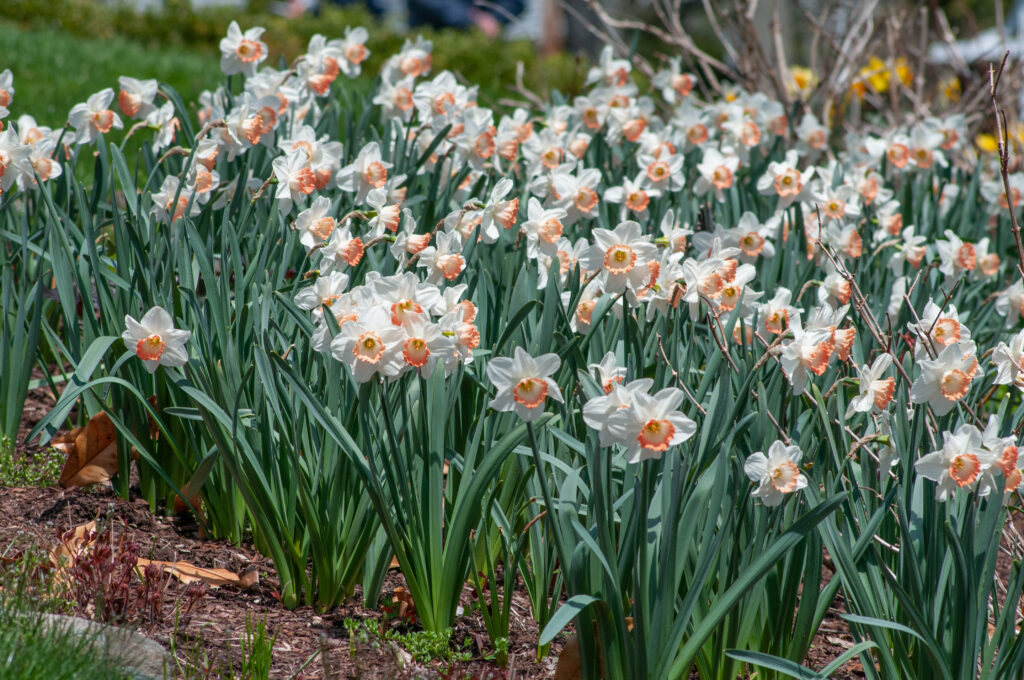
[801, 81]
[952, 90]
[903, 71]
[877, 74]
[986, 142]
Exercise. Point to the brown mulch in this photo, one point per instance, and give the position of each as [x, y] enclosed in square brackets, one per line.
[37, 517]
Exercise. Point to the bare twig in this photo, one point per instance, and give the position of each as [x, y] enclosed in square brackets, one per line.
[994, 76]
[682, 385]
[677, 36]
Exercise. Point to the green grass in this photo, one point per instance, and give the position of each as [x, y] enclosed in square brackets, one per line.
[54, 70]
[61, 51]
[32, 648]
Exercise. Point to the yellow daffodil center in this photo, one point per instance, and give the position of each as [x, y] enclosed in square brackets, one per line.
[369, 348]
[415, 352]
[249, 50]
[619, 259]
[954, 384]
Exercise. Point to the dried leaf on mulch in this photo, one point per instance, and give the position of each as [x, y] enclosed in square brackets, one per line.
[92, 452]
[186, 572]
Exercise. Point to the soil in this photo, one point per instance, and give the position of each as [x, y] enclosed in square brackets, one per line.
[308, 644]
[37, 517]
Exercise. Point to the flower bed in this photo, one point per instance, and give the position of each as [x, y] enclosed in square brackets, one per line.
[654, 356]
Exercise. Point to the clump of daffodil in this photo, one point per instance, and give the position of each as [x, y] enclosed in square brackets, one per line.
[874, 75]
[877, 76]
[801, 81]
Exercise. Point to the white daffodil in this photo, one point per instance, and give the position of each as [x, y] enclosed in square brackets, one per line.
[155, 340]
[609, 372]
[523, 383]
[368, 171]
[94, 117]
[543, 228]
[651, 424]
[443, 260]
[1010, 303]
[1005, 461]
[136, 97]
[946, 379]
[717, 170]
[598, 410]
[777, 473]
[387, 217]
[808, 352]
[1009, 361]
[314, 225]
[621, 256]
[786, 181]
[370, 345]
[425, 344]
[937, 329]
[875, 391]
[958, 464]
[324, 291]
[242, 52]
[295, 179]
[498, 211]
[956, 255]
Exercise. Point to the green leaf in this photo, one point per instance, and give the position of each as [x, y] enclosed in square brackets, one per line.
[881, 623]
[840, 660]
[53, 420]
[751, 575]
[569, 610]
[775, 663]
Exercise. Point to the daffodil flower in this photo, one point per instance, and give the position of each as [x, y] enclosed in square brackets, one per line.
[524, 383]
[777, 473]
[155, 340]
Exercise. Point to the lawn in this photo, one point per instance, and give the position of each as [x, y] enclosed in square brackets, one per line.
[54, 70]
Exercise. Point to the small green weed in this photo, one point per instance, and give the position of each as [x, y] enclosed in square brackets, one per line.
[42, 469]
[257, 651]
[424, 646]
[194, 661]
[28, 575]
